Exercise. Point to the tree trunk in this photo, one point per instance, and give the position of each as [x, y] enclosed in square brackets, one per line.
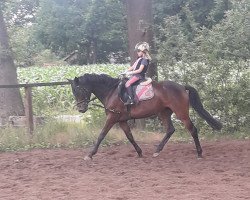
[140, 29]
[10, 99]
[92, 52]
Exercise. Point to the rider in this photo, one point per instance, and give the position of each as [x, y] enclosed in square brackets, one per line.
[139, 68]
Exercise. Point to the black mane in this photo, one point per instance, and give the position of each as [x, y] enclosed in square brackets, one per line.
[102, 80]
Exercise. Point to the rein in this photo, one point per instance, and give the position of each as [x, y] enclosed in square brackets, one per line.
[101, 106]
[97, 105]
[108, 109]
[87, 101]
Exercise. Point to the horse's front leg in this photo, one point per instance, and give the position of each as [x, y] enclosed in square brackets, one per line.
[127, 131]
[108, 125]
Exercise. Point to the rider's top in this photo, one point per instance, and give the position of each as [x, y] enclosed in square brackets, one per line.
[145, 62]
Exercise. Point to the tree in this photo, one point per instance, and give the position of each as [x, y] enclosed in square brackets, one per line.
[140, 29]
[140, 20]
[10, 99]
[19, 16]
[96, 28]
[214, 60]
[20, 12]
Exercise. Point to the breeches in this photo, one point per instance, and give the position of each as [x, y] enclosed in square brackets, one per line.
[132, 80]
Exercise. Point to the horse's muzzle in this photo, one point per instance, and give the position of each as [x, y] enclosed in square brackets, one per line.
[82, 108]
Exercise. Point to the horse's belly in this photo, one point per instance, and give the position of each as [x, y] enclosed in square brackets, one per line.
[145, 109]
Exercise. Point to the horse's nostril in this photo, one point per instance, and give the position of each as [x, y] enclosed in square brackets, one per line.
[82, 110]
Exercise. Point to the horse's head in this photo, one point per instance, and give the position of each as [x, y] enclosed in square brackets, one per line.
[81, 93]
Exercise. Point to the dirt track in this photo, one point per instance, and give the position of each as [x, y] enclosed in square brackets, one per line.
[116, 173]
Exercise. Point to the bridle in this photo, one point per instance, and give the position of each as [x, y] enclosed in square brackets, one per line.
[87, 101]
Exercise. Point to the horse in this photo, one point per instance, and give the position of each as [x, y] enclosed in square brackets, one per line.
[169, 97]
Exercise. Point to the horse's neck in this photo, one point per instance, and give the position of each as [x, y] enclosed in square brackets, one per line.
[102, 92]
[99, 93]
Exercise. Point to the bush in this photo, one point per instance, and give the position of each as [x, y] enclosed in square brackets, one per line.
[54, 100]
[215, 61]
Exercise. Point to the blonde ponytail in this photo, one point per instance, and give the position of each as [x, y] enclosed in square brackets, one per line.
[146, 55]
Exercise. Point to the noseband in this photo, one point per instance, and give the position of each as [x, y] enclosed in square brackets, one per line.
[85, 100]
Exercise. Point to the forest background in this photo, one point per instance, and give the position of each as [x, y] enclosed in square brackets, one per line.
[204, 43]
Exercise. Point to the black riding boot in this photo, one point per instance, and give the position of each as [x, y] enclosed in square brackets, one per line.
[130, 100]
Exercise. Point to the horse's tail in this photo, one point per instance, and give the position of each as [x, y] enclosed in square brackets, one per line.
[195, 102]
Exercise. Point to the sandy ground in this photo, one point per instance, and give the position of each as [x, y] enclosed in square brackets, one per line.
[117, 173]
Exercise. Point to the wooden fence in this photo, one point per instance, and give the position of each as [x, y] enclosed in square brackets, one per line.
[28, 99]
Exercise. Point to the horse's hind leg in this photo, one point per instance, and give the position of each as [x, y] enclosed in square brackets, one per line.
[165, 116]
[193, 130]
[127, 131]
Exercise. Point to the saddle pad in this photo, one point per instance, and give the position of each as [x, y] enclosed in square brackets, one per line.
[144, 92]
[146, 82]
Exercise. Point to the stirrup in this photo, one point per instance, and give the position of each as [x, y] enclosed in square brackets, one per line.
[129, 102]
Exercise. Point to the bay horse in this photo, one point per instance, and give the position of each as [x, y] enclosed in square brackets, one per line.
[169, 98]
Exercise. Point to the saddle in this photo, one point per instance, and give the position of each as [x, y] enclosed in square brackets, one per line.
[142, 90]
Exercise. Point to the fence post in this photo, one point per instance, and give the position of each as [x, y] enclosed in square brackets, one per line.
[29, 110]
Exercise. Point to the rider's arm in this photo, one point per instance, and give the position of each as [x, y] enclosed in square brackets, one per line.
[138, 70]
[130, 68]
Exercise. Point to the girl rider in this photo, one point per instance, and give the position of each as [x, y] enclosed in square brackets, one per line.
[138, 70]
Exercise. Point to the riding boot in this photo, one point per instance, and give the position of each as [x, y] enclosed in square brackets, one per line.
[130, 100]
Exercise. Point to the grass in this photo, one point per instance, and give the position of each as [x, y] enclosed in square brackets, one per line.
[79, 135]
[54, 135]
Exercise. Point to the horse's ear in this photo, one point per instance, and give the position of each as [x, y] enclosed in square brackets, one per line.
[76, 80]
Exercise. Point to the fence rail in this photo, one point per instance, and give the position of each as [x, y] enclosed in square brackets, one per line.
[34, 84]
[28, 99]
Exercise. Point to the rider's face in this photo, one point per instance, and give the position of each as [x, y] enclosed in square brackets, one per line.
[139, 53]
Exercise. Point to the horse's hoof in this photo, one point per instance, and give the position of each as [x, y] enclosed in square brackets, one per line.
[199, 157]
[156, 154]
[86, 158]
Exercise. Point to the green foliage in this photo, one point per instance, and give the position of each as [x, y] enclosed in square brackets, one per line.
[215, 61]
[47, 58]
[230, 39]
[19, 17]
[24, 47]
[218, 11]
[20, 13]
[76, 135]
[59, 99]
[204, 12]
[173, 44]
[54, 135]
[96, 28]
[200, 42]
[91, 27]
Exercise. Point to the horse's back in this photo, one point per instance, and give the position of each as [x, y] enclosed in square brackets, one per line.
[170, 87]
[174, 96]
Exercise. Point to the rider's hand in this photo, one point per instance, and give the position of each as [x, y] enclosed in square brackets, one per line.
[129, 73]
[123, 73]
